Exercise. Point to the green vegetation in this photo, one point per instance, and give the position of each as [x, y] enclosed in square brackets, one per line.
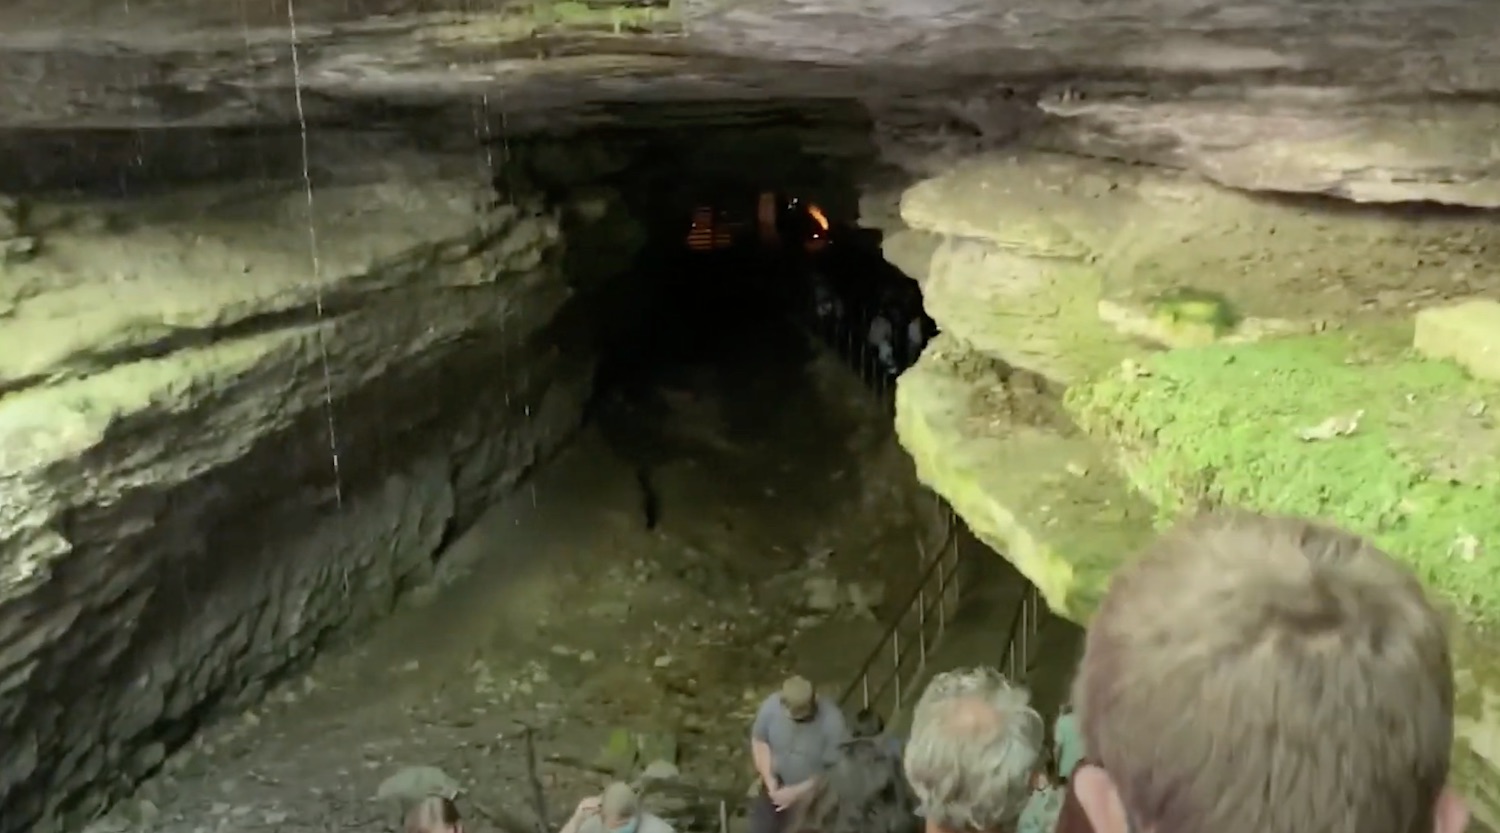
[1351, 427]
[1193, 315]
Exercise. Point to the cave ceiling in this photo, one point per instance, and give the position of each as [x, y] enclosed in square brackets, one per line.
[1370, 100]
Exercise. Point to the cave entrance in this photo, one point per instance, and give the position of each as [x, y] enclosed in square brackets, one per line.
[716, 336]
[733, 509]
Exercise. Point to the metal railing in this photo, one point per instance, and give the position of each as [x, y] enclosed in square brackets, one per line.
[850, 341]
[939, 577]
[1021, 634]
[899, 658]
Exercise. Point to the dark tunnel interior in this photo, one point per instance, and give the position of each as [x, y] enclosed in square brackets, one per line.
[736, 270]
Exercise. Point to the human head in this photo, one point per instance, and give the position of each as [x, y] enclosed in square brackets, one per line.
[1249, 674]
[434, 814]
[867, 724]
[799, 698]
[618, 806]
[975, 742]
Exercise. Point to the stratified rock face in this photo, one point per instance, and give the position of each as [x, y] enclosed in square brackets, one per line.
[1125, 344]
[217, 449]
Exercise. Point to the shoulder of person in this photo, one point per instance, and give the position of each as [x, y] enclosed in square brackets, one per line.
[592, 824]
[652, 823]
[770, 705]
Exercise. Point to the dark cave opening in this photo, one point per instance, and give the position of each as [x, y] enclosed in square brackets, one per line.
[751, 291]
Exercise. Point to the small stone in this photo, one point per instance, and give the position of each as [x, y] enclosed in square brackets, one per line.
[663, 661]
[660, 771]
[823, 594]
[416, 782]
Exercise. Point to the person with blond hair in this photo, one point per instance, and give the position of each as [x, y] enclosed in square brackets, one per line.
[1250, 674]
[974, 746]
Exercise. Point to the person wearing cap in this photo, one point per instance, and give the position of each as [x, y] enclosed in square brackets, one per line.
[617, 810]
[795, 737]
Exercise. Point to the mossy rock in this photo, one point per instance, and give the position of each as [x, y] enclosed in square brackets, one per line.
[618, 754]
[994, 443]
[1193, 316]
[1351, 427]
[1416, 466]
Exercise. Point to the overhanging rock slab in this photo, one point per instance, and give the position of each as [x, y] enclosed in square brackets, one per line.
[993, 442]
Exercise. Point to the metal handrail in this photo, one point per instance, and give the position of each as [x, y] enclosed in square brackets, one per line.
[941, 570]
[1027, 619]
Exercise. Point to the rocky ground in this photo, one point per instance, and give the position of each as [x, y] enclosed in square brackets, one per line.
[619, 646]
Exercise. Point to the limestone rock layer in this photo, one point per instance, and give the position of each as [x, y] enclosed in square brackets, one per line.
[1124, 345]
[220, 450]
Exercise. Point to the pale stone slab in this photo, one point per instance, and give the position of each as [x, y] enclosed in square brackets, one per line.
[1467, 333]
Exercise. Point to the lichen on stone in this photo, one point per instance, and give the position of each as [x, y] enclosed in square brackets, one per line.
[1351, 427]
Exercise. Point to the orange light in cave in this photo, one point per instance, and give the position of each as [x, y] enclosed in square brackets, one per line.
[818, 240]
[818, 217]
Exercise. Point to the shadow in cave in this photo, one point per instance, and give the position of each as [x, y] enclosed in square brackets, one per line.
[730, 299]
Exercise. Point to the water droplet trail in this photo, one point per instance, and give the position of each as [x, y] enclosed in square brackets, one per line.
[312, 245]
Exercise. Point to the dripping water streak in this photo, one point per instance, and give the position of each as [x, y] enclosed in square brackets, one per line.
[312, 245]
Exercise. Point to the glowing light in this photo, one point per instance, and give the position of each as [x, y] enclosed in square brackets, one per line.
[818, 217]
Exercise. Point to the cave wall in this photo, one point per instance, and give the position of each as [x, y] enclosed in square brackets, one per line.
[1125, 344]
[240, 419]
[178, 377]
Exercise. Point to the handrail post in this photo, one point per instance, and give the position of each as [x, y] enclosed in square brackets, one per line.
[896, 666]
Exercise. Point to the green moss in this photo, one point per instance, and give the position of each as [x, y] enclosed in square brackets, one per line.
[1264, 426]
[1194, 314]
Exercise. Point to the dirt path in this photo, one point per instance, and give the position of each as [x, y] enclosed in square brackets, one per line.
[787, 520]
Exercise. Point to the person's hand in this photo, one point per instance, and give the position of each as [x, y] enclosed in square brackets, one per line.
[784, 797]
[588, 806]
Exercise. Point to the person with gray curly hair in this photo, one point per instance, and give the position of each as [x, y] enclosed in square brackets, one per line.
[975, 744]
